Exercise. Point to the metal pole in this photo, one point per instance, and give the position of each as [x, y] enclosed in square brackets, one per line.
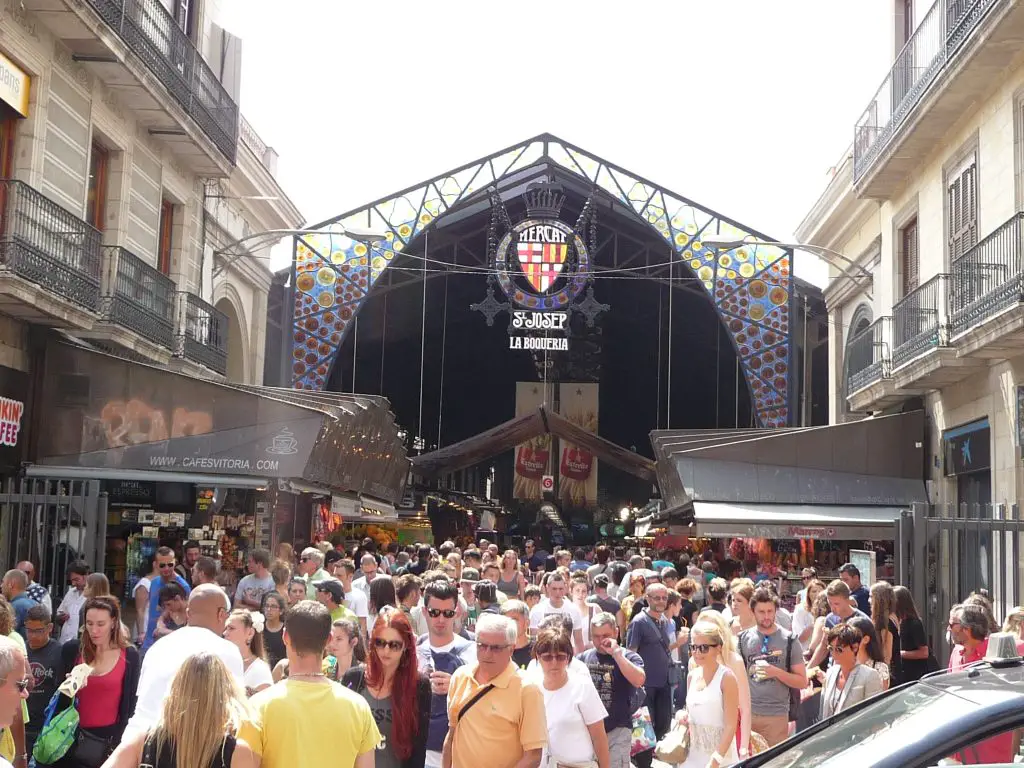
[671, 291]
[803, 373]
[736, 404]
[423, 328]
[383, 342]
[355, 346]
[658, 400]
[444, 340]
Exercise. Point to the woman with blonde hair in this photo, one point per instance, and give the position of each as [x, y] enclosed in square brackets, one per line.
[1015, 623]
[731, 657]
[712, 699]
[201, 715]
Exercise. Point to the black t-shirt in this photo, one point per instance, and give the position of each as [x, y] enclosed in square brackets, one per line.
[274, 642]
[912, 637]
[896, 663]
[417, 568]
[687, 611]
[523, 656]
[47, 671]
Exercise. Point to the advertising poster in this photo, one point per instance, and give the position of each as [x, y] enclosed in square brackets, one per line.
[533, 458]
[577, 467]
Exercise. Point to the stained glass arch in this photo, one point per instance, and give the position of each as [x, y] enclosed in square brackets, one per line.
[751, 287]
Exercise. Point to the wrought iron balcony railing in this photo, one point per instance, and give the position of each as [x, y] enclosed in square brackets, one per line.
[153, 34]
[920, 320]
[249, 138]
[202, 333]
[869, 355]
[138, 296]
[46, 244]
[988, 278]
[936, 41]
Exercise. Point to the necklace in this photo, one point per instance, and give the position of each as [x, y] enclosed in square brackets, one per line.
[307, 674]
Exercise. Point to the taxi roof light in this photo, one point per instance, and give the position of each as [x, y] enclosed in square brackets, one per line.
[1002, 648]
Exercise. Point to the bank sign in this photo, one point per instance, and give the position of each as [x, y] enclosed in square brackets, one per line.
[543, 266]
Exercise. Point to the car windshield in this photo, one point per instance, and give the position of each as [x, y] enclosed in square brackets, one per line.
[876, 730]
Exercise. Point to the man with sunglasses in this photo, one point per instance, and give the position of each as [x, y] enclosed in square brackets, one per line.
[440, 653]
[14, 683]
[651, 635]
[775, 664]
[165, 561]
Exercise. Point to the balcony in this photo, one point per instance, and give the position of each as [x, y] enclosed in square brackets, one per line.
[953, 60]
[45, 246]
[137, 305]
[922, 357]
[986, 318]
[189, 109]
[202, 333]
[869, 367]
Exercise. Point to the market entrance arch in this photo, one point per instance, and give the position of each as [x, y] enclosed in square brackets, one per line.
[749, 287]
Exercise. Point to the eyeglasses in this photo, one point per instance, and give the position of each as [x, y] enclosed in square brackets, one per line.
[303, 559]
[165, 565]
[395, 645]
[835, 649]
[548, 658]
[490, 648]
[954, 624]
[21, 685]
[704, 647]
[435, 612]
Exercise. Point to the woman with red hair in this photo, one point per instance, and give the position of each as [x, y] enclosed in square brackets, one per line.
[398, 695]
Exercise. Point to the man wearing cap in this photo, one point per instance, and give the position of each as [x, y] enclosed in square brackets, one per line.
[601, 598]
[330, 593]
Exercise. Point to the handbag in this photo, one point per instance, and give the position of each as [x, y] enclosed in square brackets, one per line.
[91, 750]
[675, 747]
[644, 738]
[58, 733]
[758, 744]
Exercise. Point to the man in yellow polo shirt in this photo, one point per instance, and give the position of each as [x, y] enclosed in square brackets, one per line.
[496, 718]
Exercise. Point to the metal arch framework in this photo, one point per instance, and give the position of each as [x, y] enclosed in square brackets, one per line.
[751, 286]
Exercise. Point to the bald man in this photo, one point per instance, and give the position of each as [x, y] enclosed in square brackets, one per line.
[37, 592]
[208, 609]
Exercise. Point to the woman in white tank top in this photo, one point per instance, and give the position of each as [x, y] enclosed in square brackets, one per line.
[712, 701]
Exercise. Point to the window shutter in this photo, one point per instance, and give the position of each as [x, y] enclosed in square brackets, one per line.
[910, 262]
[963, 212]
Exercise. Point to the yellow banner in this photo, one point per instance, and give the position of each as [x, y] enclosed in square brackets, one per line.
[577, 467]
[14, 86]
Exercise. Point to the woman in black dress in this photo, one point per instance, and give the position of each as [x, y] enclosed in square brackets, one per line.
[201, 715]
[273, 610]
[917, 658]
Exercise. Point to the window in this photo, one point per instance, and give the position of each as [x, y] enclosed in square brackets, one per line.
[96, 195]
[908, 20]
[8, 129]
[910, 260]
[183, 12]
[962, 209]
[163, 260]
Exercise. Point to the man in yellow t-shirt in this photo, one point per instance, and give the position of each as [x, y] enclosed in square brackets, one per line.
[505, 726]
[294, 717]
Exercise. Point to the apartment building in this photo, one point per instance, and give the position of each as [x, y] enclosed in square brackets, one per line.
[926, 209]
[127, 180]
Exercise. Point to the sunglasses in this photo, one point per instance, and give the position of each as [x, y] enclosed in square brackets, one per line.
[490, 648]
[551, 657]
[21, 685]
[166, 565]
[435, 612]
[764, 645]
[394, 645]
[704, 647]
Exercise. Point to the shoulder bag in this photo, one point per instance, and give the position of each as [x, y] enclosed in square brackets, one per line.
[675, 674]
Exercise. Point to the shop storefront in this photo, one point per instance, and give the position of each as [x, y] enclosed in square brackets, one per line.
[234, 468]
[792, 498]
[15, 88]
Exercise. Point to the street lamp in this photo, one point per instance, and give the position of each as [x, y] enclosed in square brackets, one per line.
[363, 235]
[829, 256]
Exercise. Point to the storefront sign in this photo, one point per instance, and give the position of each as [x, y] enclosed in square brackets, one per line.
[14, 86]
[967, 449]
[130, 493]
[11, 412]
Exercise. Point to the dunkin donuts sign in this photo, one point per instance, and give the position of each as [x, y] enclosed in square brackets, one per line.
[10, 420]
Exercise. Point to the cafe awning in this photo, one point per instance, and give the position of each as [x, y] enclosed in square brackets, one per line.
[110, 415]
[791, 521]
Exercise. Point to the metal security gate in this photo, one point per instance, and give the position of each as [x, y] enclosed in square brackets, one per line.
[52, 522]
[946, 552]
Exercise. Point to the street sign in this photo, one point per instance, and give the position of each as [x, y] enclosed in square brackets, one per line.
[547, 483]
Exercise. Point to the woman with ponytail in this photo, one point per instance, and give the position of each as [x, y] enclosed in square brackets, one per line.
[397, 693]
[244, 628]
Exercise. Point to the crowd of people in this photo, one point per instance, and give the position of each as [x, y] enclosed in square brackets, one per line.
[447, 657]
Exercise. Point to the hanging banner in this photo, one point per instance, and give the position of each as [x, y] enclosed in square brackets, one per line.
[533, 458]
[577, 466]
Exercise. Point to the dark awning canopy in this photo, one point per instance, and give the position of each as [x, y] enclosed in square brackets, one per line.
[507, 436]
[107, 413]
[872, 462]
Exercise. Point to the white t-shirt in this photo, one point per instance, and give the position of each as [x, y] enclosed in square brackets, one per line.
[162, 662]
[258, 674]
[544, 608]
[362, 584]
[143, 619]
[72, 606]
[802, 619]
[569, 711]
[357, 602]
[577, 668]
